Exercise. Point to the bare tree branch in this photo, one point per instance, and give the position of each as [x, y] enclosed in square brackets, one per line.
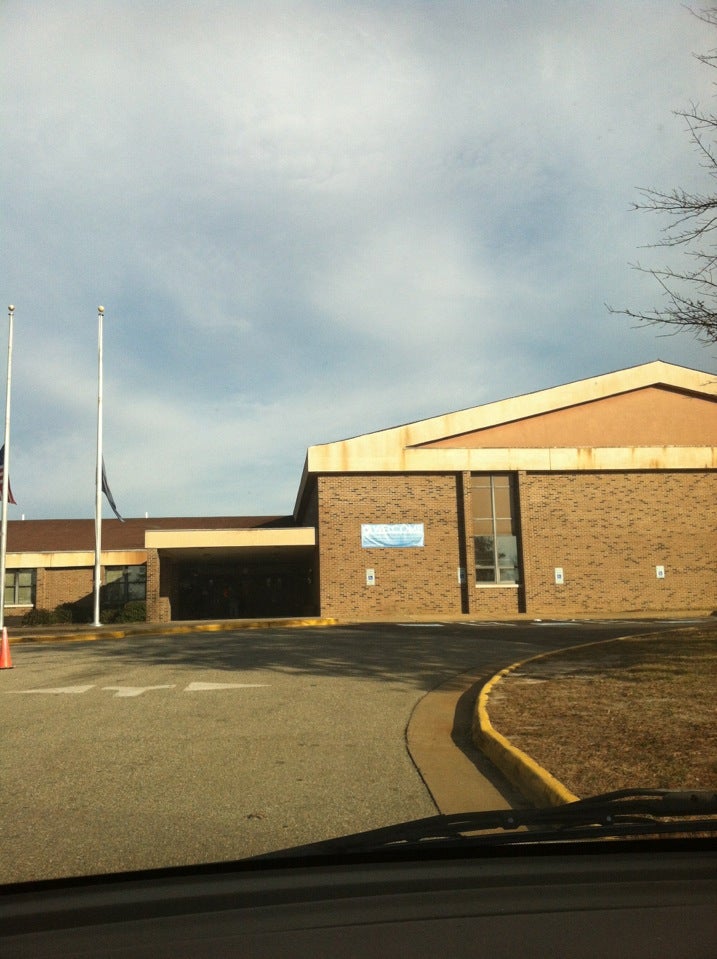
[689, 295]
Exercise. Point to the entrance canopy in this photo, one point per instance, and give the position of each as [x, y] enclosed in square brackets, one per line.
[265, 571]
[176, 542]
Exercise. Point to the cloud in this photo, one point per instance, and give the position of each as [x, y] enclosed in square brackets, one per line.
[309, 220]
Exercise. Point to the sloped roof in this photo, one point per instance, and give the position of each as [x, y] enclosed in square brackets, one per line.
[450, 442]
[58, 535]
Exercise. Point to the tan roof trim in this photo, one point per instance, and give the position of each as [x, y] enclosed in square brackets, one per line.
[390, 450]
[67, 559]
[226, 538]
[539, 459]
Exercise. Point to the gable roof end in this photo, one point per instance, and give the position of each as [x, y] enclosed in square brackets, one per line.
[403, 448]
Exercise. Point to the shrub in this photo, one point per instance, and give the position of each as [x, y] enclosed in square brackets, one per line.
[73, 613]
[37, 617]
[64, 613]
[133, 612]
[82, 613]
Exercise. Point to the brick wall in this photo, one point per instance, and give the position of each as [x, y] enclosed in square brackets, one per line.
[420, 580]
[608, 531]
[489, 601]
[159, 609]
[63, 585]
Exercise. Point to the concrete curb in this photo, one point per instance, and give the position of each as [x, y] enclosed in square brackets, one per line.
[534, 782]
[90, 633]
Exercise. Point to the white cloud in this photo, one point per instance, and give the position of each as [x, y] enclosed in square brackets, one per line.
[306, 220]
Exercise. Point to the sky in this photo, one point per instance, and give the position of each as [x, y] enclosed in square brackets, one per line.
[310, 220]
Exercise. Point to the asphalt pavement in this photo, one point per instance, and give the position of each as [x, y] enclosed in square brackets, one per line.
[158, 750]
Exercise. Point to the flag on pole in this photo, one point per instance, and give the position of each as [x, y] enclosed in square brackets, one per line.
[10, 497]
[108, 493]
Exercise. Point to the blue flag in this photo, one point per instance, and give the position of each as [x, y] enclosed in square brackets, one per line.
[10, 497]
[106, 490]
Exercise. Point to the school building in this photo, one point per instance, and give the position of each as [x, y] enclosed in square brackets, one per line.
[598, 496]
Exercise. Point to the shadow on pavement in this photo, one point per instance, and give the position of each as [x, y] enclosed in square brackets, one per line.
[421, 655]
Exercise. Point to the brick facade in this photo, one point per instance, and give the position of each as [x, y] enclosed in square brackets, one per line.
[608, 531]
[63, 585]
[416, 581]
[158, 604]
[614, 476]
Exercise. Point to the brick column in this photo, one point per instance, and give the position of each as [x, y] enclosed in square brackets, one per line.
[158, 605]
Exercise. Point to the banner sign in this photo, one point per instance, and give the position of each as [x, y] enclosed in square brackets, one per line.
[384, 535]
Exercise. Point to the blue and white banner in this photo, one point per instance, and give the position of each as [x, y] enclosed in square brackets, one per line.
[384, 535]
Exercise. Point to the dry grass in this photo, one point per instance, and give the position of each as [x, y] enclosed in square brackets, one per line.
[629, 712]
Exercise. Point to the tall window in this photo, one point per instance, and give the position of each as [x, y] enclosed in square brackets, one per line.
[495, 531]
[124, 583]
[20, 587]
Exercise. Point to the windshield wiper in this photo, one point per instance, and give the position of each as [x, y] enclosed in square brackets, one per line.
[626, 812]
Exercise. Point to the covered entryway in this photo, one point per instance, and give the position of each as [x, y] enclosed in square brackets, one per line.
[236, 574]
[242, 587]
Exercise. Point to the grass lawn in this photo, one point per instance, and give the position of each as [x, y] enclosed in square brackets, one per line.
[637, 712]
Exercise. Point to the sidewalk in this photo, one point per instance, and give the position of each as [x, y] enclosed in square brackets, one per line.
[77, 632]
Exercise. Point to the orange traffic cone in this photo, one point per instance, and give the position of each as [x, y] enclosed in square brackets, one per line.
[5, 660]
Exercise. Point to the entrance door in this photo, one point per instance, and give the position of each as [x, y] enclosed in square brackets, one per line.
[228, 591]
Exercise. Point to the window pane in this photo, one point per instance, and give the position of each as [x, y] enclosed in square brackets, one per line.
[482, 503]
[485, 576]
[502, 502]
[483, 527]
[495, 528]
[483, 508]
[114, 591]
[507, 551]
[137, 582]
[508, 559]
[124, 583]
[484, 551]
[20, 587]
[9, 589]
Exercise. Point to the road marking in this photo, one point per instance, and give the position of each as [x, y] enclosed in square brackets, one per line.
[208, 687]
[56, 691]
[127, 691]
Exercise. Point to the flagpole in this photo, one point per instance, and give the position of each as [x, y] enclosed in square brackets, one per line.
[98, 475]
[6, 469]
